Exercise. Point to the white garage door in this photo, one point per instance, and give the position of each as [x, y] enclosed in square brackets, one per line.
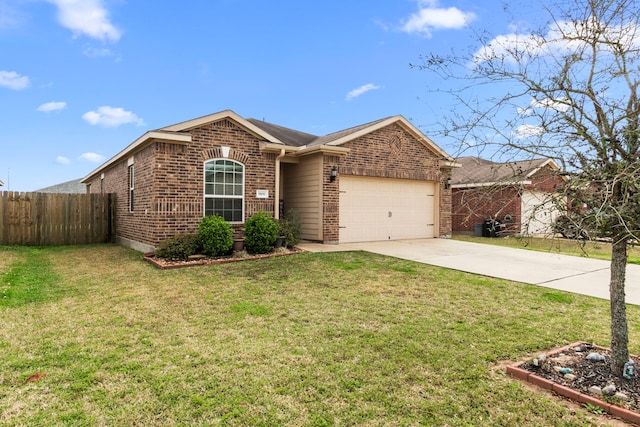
[385, 209]
[538, 213]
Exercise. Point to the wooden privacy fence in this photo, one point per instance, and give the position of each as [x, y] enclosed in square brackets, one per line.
[49, 219]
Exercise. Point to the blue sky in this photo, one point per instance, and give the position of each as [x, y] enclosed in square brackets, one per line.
[81, 79]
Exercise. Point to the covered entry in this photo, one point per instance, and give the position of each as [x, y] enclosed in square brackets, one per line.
[385, 209]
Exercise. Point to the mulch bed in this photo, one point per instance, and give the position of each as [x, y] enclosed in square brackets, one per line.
[166, 264]
[545, 372]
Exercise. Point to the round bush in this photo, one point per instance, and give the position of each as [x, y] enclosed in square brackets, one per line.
[179, 248]
[215, 235]
[260, 233]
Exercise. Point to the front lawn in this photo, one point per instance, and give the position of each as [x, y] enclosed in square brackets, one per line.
[303, 340]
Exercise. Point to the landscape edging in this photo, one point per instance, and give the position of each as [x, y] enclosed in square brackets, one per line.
[524, 375]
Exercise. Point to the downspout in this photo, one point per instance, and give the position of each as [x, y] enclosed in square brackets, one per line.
[276, 195]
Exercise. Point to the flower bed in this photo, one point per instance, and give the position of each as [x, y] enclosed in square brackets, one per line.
[568, 372]
[195, 260]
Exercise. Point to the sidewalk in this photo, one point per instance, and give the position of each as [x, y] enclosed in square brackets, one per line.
[563, 272]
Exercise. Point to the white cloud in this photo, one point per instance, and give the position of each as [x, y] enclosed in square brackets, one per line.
[524, 112]
[111, 117]
[94, 52]
[91, 157]
[52, 106]
[563, 37]
[361, 90]
[13, 80]
[431, 17]
[87, 17]
[63, 160]
[10, 17]
[526, 131]
[554, 104]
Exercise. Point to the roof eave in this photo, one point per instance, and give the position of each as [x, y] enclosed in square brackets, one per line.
[324, 149]
[491, 184]
[139, 144]
[405, 124]
[226, 114]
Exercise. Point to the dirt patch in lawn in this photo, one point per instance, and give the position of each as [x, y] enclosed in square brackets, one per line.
[196, 260]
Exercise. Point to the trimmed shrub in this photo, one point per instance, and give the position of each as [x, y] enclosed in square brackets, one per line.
[179, 248]
[291, 228]
[260, 233]
[215, 235]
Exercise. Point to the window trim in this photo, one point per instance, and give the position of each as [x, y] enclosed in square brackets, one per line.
[214, 196]
[132, 175]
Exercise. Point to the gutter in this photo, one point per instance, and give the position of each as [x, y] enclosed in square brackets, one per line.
[276, 194]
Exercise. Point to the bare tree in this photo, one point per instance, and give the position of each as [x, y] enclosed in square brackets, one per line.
[566, 91]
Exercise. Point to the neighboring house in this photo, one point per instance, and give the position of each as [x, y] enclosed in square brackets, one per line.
[383, 180]
[74, 186]
[520, 195]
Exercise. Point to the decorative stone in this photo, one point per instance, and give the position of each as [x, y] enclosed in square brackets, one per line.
[595, 357]
[595, 390]
[629, 370]
[569, 377]
[579, 349]
[621, 396]
[609, 390]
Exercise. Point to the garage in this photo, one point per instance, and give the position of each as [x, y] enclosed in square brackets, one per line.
[539, 212]
[374, 209]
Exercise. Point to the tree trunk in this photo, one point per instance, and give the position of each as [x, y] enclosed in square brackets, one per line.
[619, 332]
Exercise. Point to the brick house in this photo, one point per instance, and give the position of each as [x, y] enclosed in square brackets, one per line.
[378, 181]
[522, 195]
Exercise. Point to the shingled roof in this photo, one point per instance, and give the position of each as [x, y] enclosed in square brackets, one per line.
[480, 172]
[73, 187]
[289, 136]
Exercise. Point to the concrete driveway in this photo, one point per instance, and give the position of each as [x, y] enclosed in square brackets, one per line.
[567, 273]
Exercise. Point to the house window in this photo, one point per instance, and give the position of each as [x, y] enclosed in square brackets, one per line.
[131, 179]
[224, 189]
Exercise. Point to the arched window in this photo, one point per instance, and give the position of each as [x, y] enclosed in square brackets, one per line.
[224, 189]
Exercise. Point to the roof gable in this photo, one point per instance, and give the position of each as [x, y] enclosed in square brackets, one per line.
[274, 137]
[344, 136]
[226, 114]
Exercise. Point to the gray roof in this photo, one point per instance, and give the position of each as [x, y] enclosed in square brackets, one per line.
[297, 139]
[475, 170]
[288, 136]
[341, 134]
[73, 186]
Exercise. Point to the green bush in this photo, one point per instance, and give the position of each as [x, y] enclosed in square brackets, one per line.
[260, 233]
[215, 235]
[178, 248]
[291, 228]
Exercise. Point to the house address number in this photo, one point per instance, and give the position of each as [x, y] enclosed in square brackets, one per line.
[262, 194]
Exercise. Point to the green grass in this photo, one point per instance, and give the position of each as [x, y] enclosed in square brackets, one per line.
[591, 249]
[304, 340]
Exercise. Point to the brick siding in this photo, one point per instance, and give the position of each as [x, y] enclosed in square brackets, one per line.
[392, 152]
[474, 205]
[169, 188]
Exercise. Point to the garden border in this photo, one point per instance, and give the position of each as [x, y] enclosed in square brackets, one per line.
[522, 374]
[150, 258]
